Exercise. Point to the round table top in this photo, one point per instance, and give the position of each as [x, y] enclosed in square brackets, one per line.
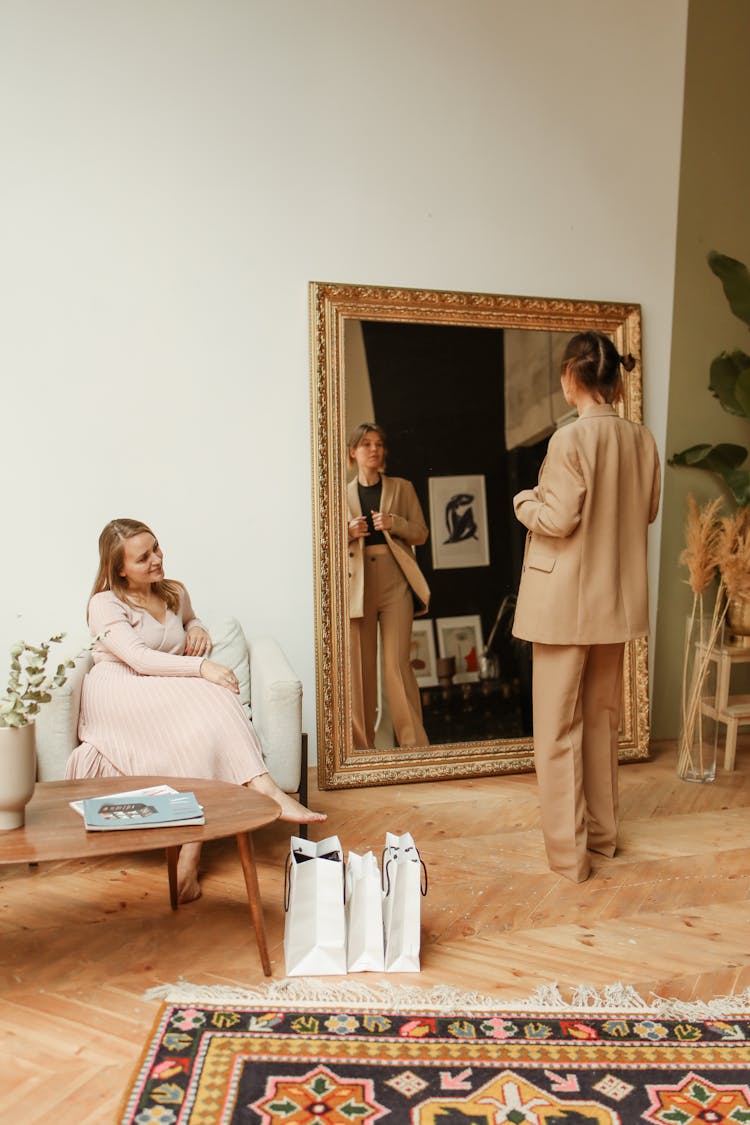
[53, 830]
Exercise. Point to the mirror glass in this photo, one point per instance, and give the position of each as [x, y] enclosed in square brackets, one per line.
[466, 388]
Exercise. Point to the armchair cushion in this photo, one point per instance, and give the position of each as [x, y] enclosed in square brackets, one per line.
[230, 648]
[277, 711]
[56, 725]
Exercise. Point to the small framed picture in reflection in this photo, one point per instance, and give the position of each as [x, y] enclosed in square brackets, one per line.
[461, 637]
[458, 522]
[422, 655]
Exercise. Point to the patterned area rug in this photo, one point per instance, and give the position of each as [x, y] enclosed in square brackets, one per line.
[338, 1064]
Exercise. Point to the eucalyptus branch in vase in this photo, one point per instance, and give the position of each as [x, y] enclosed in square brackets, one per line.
[30, 682]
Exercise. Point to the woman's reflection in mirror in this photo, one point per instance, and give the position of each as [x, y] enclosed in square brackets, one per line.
[385, 524]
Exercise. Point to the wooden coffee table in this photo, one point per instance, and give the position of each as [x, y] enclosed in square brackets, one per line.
[54, 831]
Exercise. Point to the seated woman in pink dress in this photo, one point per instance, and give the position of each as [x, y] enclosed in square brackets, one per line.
[154, 703]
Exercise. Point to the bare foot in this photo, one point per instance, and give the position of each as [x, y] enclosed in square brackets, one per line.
[188, 887]
[290, 809]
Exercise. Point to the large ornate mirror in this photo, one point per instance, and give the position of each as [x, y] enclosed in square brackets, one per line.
[466, 387]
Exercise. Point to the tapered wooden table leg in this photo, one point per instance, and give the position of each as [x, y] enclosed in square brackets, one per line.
[247, 859]
[172, 854]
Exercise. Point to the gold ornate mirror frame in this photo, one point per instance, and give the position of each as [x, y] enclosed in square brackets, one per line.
[331, 305]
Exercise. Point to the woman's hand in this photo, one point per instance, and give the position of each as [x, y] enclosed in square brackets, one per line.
[218, 674]
[358, 528]
[382, 521]
[197, 642]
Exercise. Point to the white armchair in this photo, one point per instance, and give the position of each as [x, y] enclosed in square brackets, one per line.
[269, 690]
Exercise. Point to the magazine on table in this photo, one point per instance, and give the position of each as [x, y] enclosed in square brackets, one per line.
[147, 792]
[161, 810]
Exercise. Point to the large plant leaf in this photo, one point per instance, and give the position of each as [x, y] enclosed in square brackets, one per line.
[730, 382]
[735, 278]
[724, 460]
[738, 483]
[716, 458]
[742, 390]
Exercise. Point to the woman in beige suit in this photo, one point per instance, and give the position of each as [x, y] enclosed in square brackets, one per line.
[385, 524]
[583, 594]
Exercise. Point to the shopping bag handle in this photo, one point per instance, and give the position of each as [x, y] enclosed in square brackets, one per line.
[288, 881]
[386, 882]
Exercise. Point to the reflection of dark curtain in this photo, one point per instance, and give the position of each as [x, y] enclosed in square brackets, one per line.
[438, 392]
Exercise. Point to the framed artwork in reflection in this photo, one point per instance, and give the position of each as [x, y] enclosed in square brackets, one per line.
[461, 637]
[458, 522]
[422, 655]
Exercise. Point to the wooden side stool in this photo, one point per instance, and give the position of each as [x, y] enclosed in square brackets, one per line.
[732, 710]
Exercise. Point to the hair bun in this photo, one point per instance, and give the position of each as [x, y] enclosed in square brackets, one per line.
[627, 361]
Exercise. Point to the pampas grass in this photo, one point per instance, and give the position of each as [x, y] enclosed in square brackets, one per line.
[733, 555]
[701, 553]
[714, 546]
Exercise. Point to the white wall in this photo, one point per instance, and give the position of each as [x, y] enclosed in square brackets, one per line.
[176, 171]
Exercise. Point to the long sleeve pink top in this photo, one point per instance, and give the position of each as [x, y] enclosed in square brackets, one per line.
[128, 635]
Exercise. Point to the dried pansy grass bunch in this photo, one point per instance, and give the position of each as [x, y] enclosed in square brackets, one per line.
[733, 554]
[702, 544]
[714, 546]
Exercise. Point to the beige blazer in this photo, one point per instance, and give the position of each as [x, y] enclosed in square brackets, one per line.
[409, 531]
[584, 578]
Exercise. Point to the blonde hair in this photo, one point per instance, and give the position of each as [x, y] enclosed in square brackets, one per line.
[111, 555]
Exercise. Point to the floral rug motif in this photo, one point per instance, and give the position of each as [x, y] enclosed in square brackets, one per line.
[333, 1065]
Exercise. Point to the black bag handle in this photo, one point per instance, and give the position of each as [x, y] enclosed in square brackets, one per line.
[300, 857]
[287, 882]
[386, 881]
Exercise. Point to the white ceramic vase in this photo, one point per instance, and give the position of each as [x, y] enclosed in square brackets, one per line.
[17, 774]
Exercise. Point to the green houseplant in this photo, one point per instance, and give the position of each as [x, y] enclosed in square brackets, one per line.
[30, 682]
[730, 383]
[30, 686]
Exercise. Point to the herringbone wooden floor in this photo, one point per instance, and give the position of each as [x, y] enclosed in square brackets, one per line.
[80, 944]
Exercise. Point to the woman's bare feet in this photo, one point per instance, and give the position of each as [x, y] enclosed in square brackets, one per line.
[188, 887]
[290, 809]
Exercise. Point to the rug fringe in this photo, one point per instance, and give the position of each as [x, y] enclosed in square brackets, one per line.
[304, 992]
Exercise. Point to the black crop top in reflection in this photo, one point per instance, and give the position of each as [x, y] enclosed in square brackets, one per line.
[369, 498]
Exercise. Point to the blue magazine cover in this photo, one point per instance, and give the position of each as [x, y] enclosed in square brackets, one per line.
[163, 810]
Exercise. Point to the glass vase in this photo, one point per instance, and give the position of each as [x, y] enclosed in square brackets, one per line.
[699, 731]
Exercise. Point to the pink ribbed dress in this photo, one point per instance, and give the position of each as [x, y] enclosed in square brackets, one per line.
[146, 710]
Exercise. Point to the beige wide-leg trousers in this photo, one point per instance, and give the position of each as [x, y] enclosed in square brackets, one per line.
[387, 600]
[577, 692]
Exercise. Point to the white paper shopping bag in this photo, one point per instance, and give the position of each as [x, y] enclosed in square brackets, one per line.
[315, 928]
[364, 914]
[403, 888]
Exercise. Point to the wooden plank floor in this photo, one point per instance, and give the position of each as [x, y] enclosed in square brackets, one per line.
[80, 943]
